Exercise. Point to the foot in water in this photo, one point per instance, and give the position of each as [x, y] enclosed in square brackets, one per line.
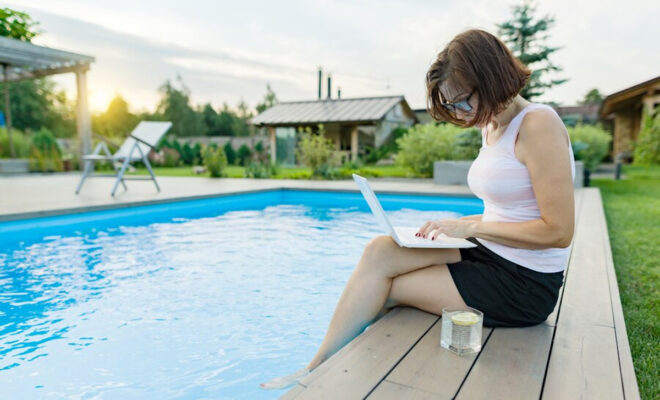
[285, 381]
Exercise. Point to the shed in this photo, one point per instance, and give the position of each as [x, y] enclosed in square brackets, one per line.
[351, 124]
[625, 108]
[23, 60]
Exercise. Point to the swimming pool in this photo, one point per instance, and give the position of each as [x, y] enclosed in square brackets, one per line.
[192, 299]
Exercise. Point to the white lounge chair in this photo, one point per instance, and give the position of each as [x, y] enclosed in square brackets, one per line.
[136, 147]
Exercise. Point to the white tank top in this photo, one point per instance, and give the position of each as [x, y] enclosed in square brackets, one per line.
[499, 179]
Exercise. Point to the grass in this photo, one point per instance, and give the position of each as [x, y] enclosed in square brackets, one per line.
[632, 208]
[282, 173]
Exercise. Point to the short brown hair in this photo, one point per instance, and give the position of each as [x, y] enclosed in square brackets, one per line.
[479, 61]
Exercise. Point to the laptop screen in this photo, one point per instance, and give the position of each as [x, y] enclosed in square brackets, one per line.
[374, 204]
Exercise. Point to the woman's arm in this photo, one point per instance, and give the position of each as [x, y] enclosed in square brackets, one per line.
[475, 217]
[542, 147]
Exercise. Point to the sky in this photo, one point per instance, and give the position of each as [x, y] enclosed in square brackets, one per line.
[228, 51]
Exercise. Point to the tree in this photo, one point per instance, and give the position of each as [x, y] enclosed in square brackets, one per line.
[592, 97]
[175, 106]
[525, 35]
[117, 121]
[270, 99]
[210, 118]
[17, 25]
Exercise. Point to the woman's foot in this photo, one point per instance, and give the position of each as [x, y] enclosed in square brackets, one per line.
[285, 381]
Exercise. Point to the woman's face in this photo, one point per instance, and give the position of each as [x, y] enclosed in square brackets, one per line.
[457, 97]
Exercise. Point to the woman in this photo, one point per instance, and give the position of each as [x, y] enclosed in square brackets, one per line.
[524, 174]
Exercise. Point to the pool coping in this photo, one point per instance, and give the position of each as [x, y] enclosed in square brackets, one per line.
[447, 192]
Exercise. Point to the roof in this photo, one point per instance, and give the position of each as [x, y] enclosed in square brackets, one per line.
[359, 110]
[624, 98]
[588, 111]
[26, 60]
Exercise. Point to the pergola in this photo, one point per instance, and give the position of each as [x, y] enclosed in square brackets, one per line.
[22, 60]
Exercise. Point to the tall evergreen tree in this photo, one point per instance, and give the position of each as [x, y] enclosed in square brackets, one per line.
[270, 99]
[175, 106]
[526, 37]
[592, 97]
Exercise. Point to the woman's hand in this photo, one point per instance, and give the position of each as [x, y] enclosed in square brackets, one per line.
[456, 228]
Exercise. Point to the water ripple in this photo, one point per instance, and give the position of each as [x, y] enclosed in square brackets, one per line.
[190, 308]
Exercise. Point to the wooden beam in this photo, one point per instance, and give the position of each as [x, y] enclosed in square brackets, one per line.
[12, 151]
[84, 121]
[23, 75]
[273, 143]
[354, 143]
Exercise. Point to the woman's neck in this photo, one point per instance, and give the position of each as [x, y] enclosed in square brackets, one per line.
[504, 118]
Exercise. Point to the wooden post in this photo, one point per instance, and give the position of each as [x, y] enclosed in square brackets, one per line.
[273, 144]
[84, 121]
[12, 151]
[354, 143]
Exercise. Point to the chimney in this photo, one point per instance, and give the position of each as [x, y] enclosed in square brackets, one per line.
[320, 80]
[329, 86]
[339, 92]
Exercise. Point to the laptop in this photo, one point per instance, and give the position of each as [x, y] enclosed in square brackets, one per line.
[405, 236]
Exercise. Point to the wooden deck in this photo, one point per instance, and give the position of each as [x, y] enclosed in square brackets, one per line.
[580, 352]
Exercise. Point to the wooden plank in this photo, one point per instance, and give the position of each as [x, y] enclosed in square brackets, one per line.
[629, 380]
[394, 391]
[584, 363]
[359, 366]
[511, 366]
[433, 369]
[584, 359]
[586, 293]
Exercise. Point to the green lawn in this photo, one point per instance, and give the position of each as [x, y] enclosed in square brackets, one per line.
[282, 173]
[632, 207]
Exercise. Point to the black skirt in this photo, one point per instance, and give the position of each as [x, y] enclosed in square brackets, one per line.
[507, 293]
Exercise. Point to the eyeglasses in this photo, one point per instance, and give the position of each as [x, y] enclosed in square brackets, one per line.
[462, 105]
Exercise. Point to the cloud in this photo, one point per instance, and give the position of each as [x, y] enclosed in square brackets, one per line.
[225, 51]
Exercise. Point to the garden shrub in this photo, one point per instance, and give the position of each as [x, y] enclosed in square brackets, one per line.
[425, 144]
[260, 170]
[230, 153]
[590, 144]
[187, 154]
[647, 148]
[20, 140]
[467, 144]
[171, 157]
[300, 175]
[45, 154]
[373, 155]
[260, 153]
[215, 161]
[244, 155]
[317, 152]
[363, 171]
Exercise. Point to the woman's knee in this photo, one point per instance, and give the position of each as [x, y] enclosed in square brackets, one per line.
[378, 251]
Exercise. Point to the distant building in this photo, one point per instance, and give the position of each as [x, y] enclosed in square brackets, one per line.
[624, 109]
[352, 124]
[423, 116]
[581, 114]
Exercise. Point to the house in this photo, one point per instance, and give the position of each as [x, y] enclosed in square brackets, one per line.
[625, 109]
[581, 114]
[352, 124]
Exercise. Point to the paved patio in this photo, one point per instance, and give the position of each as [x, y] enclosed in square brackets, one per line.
[34, 195]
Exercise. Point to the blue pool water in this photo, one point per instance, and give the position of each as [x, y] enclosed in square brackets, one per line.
[186, 300]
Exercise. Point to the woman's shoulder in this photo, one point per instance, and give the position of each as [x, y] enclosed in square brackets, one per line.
[542, 119]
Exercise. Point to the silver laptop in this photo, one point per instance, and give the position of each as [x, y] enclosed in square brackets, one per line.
[404, 236]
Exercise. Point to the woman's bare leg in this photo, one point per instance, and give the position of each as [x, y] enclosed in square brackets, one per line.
[368, 288]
